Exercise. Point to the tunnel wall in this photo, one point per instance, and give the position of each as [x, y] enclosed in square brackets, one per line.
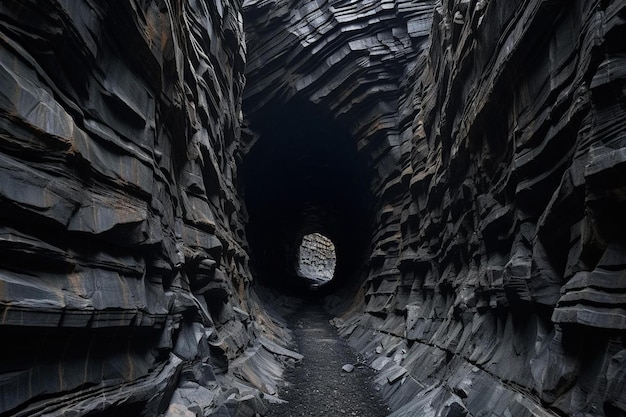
[493, 282]
[502, 290]
[347, 62]
[123, 279]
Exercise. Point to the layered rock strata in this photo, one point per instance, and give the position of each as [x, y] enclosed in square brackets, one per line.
[494, 281]
[347, 61]
[508, 287]
[123, 280]
[466, 157]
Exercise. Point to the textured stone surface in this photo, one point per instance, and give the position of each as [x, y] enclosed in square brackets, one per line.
[495, 276]
[465, 156]
[317, 258]
[348, 62]
[503, 289]
[123, 281]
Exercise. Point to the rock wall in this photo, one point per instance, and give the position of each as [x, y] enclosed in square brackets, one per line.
[346, 58]
[507, 287]
[495, 275]
[123, 280]
[493, 138]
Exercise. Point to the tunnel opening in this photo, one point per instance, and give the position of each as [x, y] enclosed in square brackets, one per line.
[316, 259]
[302, 176]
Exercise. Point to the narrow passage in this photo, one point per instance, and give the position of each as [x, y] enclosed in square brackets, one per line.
[318, 386]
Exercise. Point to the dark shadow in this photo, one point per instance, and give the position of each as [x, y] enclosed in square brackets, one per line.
[303, 175]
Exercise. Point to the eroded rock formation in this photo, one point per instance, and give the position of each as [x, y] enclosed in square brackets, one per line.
[337, 71]
[123, 282]
[495, 275]
[509, 284]
[466, 157]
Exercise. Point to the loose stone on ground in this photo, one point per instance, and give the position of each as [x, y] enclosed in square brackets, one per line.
[319, 386]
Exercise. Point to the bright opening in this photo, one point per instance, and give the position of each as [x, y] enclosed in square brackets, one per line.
[316, 259]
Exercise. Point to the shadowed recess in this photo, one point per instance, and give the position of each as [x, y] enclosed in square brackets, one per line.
[303, 175]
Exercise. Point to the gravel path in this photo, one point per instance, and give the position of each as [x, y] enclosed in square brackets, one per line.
[318, 386]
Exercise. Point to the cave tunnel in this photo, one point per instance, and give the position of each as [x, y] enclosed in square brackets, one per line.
[303, 176]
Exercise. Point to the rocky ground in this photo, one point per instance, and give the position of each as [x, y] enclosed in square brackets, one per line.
[318, 386]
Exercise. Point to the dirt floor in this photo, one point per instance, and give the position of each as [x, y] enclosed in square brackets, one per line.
[318, 386]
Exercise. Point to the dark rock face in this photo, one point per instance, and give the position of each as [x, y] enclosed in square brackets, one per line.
[506, 295]
[123, 282]
[495, 281]
[466, 157]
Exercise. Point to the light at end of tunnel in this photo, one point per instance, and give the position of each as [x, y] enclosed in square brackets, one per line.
[316, 259]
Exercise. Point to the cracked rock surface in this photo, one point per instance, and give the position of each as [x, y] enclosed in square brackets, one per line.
[466, 157]
[123, 273]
